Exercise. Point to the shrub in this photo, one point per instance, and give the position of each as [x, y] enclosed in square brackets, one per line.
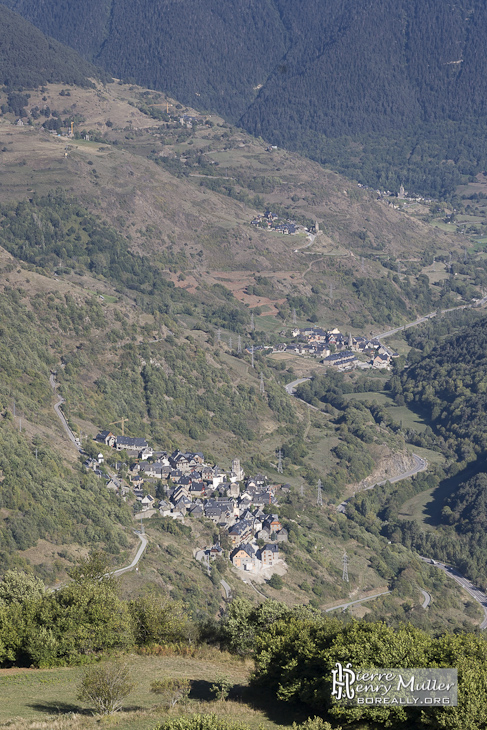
[200, 722]
[171, 690]
[106, 687]
[276, 582]
[221, 688]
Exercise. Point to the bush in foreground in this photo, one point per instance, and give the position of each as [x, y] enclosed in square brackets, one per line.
[171, 690]
[105, 687]
[213, 722]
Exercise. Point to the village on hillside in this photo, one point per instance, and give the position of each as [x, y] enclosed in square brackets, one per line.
[270, 221]
[243, 509]
[331, 347]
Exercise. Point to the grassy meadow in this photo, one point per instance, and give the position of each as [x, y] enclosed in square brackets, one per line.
[38, 699]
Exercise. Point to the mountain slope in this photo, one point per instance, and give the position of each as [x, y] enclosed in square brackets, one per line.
[28, 58]
[305, 74]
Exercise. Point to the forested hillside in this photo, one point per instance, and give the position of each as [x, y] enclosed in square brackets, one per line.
[389, 109]
[41, 496]
[28, 58]
[449, 386]
[137, 263]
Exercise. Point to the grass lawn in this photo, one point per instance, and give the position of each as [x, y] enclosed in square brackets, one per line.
[46, 698]
[418, 508]
[268, 323]
[400, 414]
[426, 507]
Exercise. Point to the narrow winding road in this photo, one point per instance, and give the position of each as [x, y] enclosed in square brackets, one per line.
[60, 414]
[466, 584]
[343, 606]
[420, 465]
[427, 599]
[291, 387]
[431, 315]
[72, 438]
[140, 552]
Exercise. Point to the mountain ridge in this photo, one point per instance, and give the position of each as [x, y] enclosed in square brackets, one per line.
[311, 76]
[28, 58]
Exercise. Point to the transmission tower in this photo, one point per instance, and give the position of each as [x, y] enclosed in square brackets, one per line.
[301, 490]
[294, 317]
[319, 497]
[252, 351]
[262, 391]
[239, 345]
[229, 343]
[218, 335]
[252, 323]
[331, 292]
[279, 462]
[345, 568]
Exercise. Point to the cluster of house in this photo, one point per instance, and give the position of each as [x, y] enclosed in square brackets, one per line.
[254, 537]
[190, 487]
[187, 120]
[271, 221]
[403, 194]
[339, 350]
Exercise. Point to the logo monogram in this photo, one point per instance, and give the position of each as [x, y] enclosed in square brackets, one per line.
[343, 679]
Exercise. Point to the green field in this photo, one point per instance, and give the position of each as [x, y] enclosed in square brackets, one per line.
[400, 414]
[33, 697]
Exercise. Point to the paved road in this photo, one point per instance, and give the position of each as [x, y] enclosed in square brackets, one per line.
[471, 589]
[140, 552]
[360, 600]
[134, 562]
[226, 588]
[431, 315]
[427, 599]
[420, 465]
[311, 239]
[291, 387]
[60, 414]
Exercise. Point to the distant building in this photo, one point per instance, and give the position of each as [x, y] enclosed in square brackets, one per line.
[130, 444]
